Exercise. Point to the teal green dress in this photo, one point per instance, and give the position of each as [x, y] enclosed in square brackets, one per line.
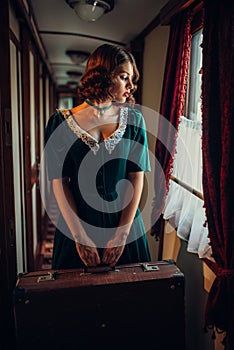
[97, 173]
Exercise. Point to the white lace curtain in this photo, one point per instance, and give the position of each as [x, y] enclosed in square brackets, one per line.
[183, 209]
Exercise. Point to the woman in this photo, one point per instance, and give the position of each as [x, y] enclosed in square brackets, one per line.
[97, 155]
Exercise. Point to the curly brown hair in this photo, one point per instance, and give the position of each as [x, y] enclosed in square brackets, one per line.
[99, 75]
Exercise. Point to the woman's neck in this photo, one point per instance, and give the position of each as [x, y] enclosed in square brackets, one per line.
[99, 108]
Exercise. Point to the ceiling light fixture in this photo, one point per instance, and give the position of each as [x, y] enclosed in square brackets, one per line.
[74, 75]
[90, 10]
[78, 57]
[72, 84]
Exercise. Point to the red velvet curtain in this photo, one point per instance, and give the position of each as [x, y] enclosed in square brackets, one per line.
[172, 105]
[218, 159]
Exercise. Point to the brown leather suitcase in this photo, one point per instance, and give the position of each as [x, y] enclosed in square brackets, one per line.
[136, 306]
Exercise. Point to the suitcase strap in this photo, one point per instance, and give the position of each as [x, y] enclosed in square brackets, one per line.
[52, 275]
[88, 270]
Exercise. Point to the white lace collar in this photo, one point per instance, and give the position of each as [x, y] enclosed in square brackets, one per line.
[89, 140]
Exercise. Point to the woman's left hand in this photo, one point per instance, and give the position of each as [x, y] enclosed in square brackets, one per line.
[114, 249]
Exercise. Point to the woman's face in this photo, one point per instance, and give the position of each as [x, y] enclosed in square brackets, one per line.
[123, 82]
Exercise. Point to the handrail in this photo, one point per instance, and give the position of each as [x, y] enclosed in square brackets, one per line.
[187, 187]
[210, 262]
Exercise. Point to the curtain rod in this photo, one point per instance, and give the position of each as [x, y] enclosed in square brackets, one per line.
[187, 187]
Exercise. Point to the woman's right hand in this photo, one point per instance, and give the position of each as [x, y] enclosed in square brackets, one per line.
[88, 254]
[87, 250]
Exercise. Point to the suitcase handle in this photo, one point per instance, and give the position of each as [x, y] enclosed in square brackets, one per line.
[99, 269]
[146, 267]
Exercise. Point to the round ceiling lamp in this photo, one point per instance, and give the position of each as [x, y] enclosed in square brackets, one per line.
[90, 10]
[77, 56]
[72, 84]
[74, 75]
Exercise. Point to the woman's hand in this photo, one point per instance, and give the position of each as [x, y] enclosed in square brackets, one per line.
[114, 249]
[88, 254]
[87, 250]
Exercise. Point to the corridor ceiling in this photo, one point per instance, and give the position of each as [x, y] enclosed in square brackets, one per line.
[61, 29]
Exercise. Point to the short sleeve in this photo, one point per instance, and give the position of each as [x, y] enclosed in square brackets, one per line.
[139, 156]
[57, 157]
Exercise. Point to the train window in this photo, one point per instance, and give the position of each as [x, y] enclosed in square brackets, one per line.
[193, 98]
[65, 102]
[184, 204]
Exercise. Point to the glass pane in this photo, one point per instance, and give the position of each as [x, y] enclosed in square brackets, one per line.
[32, 111]
[65, 102]
[17, 154]
[195, 78]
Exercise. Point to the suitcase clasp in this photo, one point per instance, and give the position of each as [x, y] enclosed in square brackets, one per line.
[149, 267]
[50, 276]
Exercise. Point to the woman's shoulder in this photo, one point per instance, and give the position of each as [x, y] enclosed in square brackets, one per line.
[59, 116]
[56, 119]
[135, 111]
[135, 115]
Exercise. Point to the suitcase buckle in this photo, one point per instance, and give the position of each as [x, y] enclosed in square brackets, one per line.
[50, 276]
[149, 267]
